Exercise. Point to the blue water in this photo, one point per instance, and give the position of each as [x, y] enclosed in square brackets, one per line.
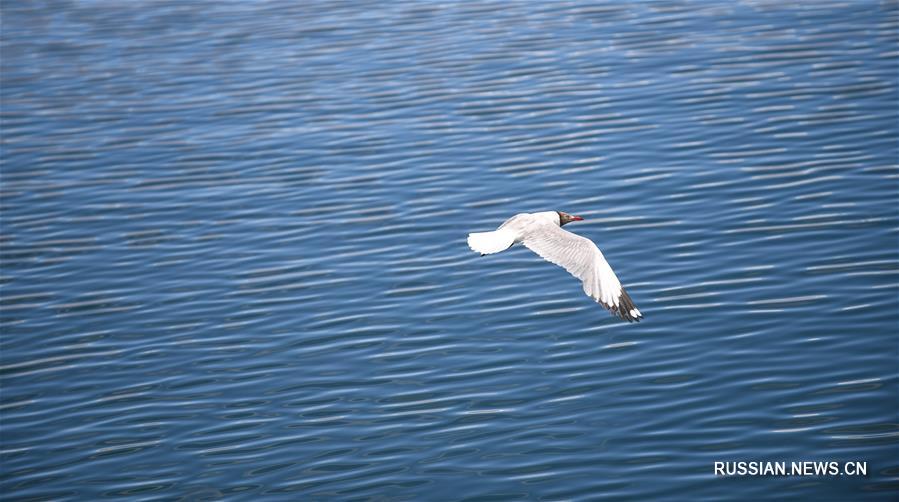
[234, 261]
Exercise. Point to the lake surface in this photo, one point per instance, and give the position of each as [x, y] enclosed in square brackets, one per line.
[234, 260]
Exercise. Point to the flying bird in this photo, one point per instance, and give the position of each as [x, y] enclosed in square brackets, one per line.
[543, 234]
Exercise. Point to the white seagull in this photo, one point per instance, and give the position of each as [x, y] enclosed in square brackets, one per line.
[543, 234]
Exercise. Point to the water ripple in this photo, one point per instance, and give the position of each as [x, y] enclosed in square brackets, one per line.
[234, 263]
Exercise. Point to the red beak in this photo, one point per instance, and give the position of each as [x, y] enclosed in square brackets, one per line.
[576, 218]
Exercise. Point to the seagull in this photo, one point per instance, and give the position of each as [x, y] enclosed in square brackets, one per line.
[543, 234]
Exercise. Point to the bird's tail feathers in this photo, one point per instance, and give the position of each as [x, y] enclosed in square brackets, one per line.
[491, 242]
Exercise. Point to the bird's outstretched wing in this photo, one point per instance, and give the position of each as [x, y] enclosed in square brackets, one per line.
[582, 259]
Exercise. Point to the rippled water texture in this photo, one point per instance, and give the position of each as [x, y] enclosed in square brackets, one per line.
[234, 259]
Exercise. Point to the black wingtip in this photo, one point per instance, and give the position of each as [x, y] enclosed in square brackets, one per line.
[626, 310]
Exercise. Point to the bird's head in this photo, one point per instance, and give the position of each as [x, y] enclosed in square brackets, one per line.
[567, 218]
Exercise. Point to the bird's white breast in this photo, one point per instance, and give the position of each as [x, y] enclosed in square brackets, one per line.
[524, 223]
